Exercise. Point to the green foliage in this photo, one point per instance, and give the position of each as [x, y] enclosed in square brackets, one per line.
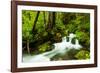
[27, 23]
[83, 54]
[83, 38]
[44, 47]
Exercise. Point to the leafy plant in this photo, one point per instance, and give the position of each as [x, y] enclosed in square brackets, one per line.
[83, 54]
[44, 47]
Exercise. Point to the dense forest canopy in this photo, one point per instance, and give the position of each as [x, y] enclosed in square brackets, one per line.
[40, 29]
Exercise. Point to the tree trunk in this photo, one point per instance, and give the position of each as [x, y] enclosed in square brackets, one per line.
[44, 19]
[51, 20]
[36, 18]
[28, 49]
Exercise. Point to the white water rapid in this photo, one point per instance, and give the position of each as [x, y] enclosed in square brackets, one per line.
[61, 48]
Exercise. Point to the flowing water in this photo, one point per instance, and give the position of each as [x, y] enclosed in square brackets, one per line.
[59, 48]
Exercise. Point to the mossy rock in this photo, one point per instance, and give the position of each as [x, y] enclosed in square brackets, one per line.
[83, 54]
[44, 47]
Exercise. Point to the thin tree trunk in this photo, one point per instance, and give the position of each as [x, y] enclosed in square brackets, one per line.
[51, 20]
[28, 49]
[44, 19]
[36, 18]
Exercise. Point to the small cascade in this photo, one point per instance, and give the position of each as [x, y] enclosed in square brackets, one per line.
[77, 45]
[71, 36]
[64, 39]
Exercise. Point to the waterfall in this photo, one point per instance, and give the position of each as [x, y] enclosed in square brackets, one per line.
[77, 46]
[61, 47]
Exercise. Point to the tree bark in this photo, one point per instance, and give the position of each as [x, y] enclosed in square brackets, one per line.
[44, 19]
[36, 18]
[28, 49]
[51, 20]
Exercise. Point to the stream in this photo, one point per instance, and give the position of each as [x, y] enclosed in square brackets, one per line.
[59, 48]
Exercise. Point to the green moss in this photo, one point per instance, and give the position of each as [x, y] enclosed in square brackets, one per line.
[44, 47]
[83, 54]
